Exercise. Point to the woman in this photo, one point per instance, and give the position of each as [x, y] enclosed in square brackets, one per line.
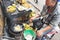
[49, 8]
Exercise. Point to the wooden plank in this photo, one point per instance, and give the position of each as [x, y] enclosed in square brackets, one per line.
[1, 22]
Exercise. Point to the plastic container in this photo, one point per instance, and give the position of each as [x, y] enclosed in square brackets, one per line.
[31, 33]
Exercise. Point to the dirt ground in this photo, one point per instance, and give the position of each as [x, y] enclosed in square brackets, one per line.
[56, 36]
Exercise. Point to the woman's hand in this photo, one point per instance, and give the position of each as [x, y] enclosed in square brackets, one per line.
[39, 33]
[32, 18]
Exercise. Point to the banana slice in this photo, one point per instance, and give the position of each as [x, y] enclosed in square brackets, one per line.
[17, 28]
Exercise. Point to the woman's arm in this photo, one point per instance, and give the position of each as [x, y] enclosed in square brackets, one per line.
[43, 31]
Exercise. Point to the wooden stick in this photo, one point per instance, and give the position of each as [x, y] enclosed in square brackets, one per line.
[33, 4]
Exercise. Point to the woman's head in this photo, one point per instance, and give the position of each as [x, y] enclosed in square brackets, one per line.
[51, 3]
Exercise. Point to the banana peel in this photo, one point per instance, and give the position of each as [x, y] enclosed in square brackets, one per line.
[32, 14]
[27, 27]
[21, 1]
[11, 8]
[27, 5]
